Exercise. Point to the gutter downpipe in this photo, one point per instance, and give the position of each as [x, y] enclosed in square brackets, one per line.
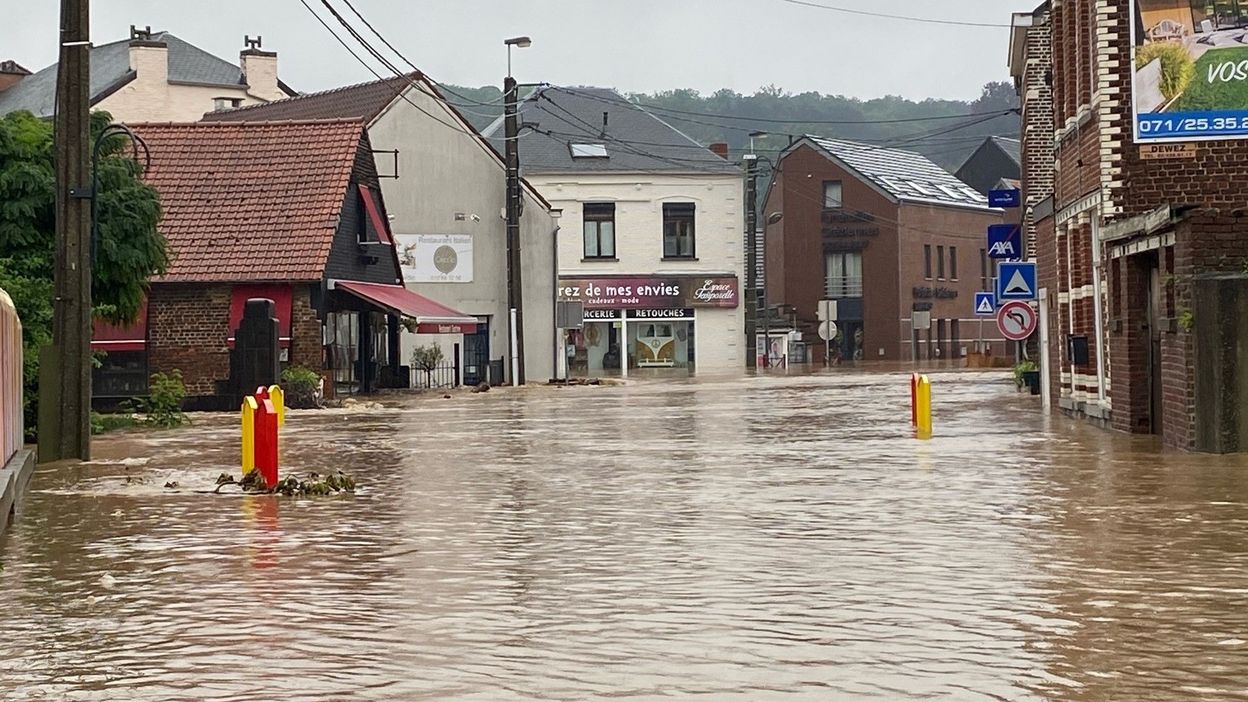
[1096, 305]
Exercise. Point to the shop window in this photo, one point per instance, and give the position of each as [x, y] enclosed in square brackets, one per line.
[927, 261]
[843, 274]
[940, 262]
[956, 338]
[832, 195]
[599, 226]
[953, 263]
[678, 230]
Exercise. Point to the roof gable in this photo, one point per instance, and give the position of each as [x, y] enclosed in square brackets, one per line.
[901, 175]
[250, 201]
[363, 101]
[635, 140]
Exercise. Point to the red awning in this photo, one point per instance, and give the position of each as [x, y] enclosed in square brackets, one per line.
[279, 294]
[374, 214]
[131, 337]
[431, 317]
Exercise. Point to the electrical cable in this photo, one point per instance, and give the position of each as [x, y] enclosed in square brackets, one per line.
[906, 18]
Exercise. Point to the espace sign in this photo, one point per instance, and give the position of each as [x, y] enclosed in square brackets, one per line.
[1189, 70]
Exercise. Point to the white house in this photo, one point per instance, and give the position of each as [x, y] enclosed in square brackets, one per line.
[651, 239]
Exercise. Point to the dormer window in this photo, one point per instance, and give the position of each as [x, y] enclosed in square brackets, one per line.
[221, 104]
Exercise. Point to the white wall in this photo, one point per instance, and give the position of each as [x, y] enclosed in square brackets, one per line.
[151, 98]
[445, 171]
[639, 199]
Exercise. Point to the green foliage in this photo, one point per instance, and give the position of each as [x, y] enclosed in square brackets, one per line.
[1187, 320]
[129, 251]
[870, 118]
[1177, 67]
[104, 423]
[163, 405]
[1024, 367]
[427, 358]
[301, 386]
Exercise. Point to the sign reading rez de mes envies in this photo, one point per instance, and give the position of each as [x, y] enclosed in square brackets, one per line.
[652, 292]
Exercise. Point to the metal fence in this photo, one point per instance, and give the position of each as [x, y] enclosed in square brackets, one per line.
[11, 409]
[445, 375]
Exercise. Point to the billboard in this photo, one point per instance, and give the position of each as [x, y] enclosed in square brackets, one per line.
[1190, 70]
[435, 258]
[662, 292]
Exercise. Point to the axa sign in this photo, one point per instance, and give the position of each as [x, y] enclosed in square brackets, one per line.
[1005, 241]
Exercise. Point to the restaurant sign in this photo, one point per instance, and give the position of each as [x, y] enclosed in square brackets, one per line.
[658, 292]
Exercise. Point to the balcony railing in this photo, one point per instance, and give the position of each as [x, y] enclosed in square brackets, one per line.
[837, 288]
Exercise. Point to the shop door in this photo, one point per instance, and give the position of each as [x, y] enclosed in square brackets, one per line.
[477, 354]
[1154, 348]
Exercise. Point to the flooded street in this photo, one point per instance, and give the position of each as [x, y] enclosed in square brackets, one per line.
[764, 538]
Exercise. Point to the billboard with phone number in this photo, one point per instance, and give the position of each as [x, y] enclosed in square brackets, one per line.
[1190, 77]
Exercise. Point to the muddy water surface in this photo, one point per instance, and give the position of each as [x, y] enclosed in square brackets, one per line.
[766, 538]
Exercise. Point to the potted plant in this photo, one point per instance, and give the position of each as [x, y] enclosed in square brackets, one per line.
[1027, 374]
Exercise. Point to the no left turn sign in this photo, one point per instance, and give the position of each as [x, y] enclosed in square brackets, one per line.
[1016, 320]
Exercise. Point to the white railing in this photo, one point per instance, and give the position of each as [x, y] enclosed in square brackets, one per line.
[837, 288]
[11, 409]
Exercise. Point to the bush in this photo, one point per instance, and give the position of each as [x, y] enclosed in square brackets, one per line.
[302, 387]
[104, 423]
[1178, 68]
[1024, 367]
[163, 405]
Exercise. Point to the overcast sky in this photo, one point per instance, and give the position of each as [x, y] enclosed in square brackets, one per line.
[633, 45]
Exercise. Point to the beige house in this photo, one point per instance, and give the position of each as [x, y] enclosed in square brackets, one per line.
[154, 77]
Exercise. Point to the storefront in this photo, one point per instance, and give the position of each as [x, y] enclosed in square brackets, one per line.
[643, 324]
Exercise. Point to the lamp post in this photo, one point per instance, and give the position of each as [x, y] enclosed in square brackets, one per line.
[515, 297]
[773, 218]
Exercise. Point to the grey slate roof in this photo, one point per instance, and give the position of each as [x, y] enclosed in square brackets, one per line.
[110, 69]
[636, 141]
[1010, 147]
[905, 175]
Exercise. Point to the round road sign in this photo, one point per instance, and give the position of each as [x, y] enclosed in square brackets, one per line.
[827, 330]
[1016, 320]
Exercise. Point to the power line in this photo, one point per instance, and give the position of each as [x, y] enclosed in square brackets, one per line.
[905, 18]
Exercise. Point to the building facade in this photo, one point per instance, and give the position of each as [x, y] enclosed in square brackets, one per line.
[886, 234]
[1145, 217]
[444, 187]
[154, 77]
[651, 239]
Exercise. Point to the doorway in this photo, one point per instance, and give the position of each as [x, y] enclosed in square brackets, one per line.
[1154, 322]
[477, 353]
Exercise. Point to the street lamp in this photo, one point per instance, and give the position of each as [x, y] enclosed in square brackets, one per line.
[773, 218]
[515, 300]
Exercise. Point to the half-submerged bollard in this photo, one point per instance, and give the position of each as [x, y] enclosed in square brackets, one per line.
[923, 407]
[914, 399]
[263, 413]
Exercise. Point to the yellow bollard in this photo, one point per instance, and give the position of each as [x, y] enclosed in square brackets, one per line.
[279, 403]
[249, 434]
[925, 408]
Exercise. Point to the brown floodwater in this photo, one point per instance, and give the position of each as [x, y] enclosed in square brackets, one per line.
[754, 539]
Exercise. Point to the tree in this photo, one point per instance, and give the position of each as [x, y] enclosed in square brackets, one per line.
[427, 359]
[129, 250]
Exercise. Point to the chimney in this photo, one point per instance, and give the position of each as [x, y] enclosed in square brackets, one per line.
[720, 149]
[11, 74]
[259, 69]
[149, 57]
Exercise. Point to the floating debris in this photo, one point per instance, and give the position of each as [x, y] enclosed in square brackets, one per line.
[314, 484]
[172, 484]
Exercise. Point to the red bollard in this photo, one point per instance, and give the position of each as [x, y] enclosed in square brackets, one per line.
[914, 399]
[266, 442]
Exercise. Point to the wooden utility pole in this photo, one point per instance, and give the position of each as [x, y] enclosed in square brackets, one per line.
[65, 367]
[515, 278]
[751, 259]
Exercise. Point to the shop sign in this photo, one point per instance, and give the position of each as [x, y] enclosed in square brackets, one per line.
[1155, 152]
[436, 328]
[1189, 72]
[661, 314]
[926, 293]
[849, 225]
[435, 258]
[601, 315]
[652, 292]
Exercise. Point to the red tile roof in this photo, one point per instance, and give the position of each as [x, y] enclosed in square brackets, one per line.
[250, 201]
[363, 101]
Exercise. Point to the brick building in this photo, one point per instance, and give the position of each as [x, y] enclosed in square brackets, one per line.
[1136, 222]
[290, 211]
[886, 233]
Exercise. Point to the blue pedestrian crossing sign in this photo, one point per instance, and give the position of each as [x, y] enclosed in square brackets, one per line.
[985, 304]
[1016, 280]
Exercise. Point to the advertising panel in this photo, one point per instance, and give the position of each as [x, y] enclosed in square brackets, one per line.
[435, 258]
[1190, 70]
[659, 292]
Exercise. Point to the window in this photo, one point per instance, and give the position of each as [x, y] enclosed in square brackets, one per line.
[983, 269]
[588, 150]
[832, 198]
[927, 261]
[226, 103]
[844, 274]
[678, 230]
[599, 230]
[956, 338]
[940, 262]
[953, 263]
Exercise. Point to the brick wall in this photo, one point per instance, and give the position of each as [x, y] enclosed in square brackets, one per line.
[187, 328]
[1036, 99]
[305, 331]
